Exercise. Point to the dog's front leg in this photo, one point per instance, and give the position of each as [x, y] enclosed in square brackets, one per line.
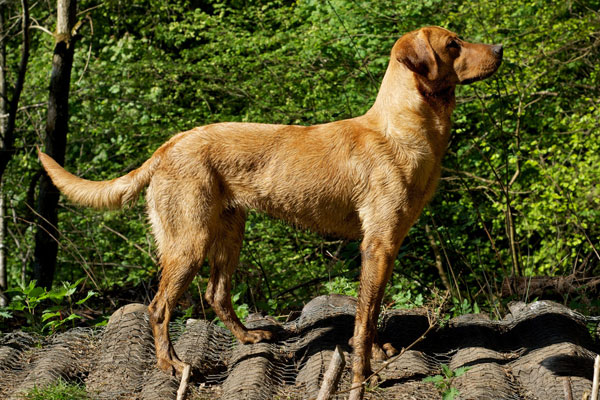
[378, 254]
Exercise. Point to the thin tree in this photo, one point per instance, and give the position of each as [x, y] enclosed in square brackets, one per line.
[57, 124]
[8, 115]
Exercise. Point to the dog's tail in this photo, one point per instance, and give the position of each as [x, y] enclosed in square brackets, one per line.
[114, 193]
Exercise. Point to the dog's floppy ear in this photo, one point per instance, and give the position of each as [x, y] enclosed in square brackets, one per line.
[415, 51]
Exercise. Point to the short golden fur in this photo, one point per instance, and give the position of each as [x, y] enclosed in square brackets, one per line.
[367, 177]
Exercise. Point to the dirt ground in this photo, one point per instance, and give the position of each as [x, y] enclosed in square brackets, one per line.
[540, 350]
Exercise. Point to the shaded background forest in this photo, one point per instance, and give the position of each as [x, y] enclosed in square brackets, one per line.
[519, 196]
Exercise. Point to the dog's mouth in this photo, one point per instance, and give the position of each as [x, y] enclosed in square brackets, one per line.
[475, 79]
[480, 77]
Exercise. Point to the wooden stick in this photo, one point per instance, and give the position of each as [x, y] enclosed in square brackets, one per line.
[567, 388]
[596, 379]
[357, 391]
[185, 377]
[332, 375]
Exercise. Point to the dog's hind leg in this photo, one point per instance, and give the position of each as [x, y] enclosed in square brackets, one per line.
[223, 258]
[178, 271]
[181, 216]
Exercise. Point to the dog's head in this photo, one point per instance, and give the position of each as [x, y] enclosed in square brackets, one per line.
[442, 60]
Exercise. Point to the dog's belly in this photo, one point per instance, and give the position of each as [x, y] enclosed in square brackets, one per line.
[321, 206]
[328, 216]
[329, 221]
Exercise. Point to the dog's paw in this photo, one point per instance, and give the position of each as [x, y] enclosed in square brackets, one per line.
[390, 350]
[373, 380]
[378, 352]
[257, 335]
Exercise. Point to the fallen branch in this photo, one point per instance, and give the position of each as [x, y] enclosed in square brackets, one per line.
[185, 377]
[535, 286]
[595, 383]
[332, 375]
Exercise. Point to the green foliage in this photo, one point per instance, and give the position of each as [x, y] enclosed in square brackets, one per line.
[242, 310]
[57, 304]
[463, 307]
[342, 285]
[406, 299]
[61, 390]
[525, 142]
[443, 381]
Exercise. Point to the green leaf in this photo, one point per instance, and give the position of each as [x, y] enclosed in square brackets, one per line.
[35, 292]
[460, 371]
[90, 293]
[446, 371]
[434, 379]
[72, 317]
[450, 394]
[47, 315]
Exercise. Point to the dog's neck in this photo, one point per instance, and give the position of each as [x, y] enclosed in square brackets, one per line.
[407, 106]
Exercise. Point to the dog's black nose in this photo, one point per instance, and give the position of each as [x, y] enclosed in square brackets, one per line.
[497, 50]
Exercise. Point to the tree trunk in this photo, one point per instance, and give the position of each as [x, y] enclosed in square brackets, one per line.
[3, 280]
[8, 137]
[46, 238]
[3, 120]
[8, 116]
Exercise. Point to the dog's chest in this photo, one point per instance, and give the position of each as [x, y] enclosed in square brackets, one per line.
[418, 168]
[423, 175]
[423, 155]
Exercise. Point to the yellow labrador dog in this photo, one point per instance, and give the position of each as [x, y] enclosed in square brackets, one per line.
[367, 177]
